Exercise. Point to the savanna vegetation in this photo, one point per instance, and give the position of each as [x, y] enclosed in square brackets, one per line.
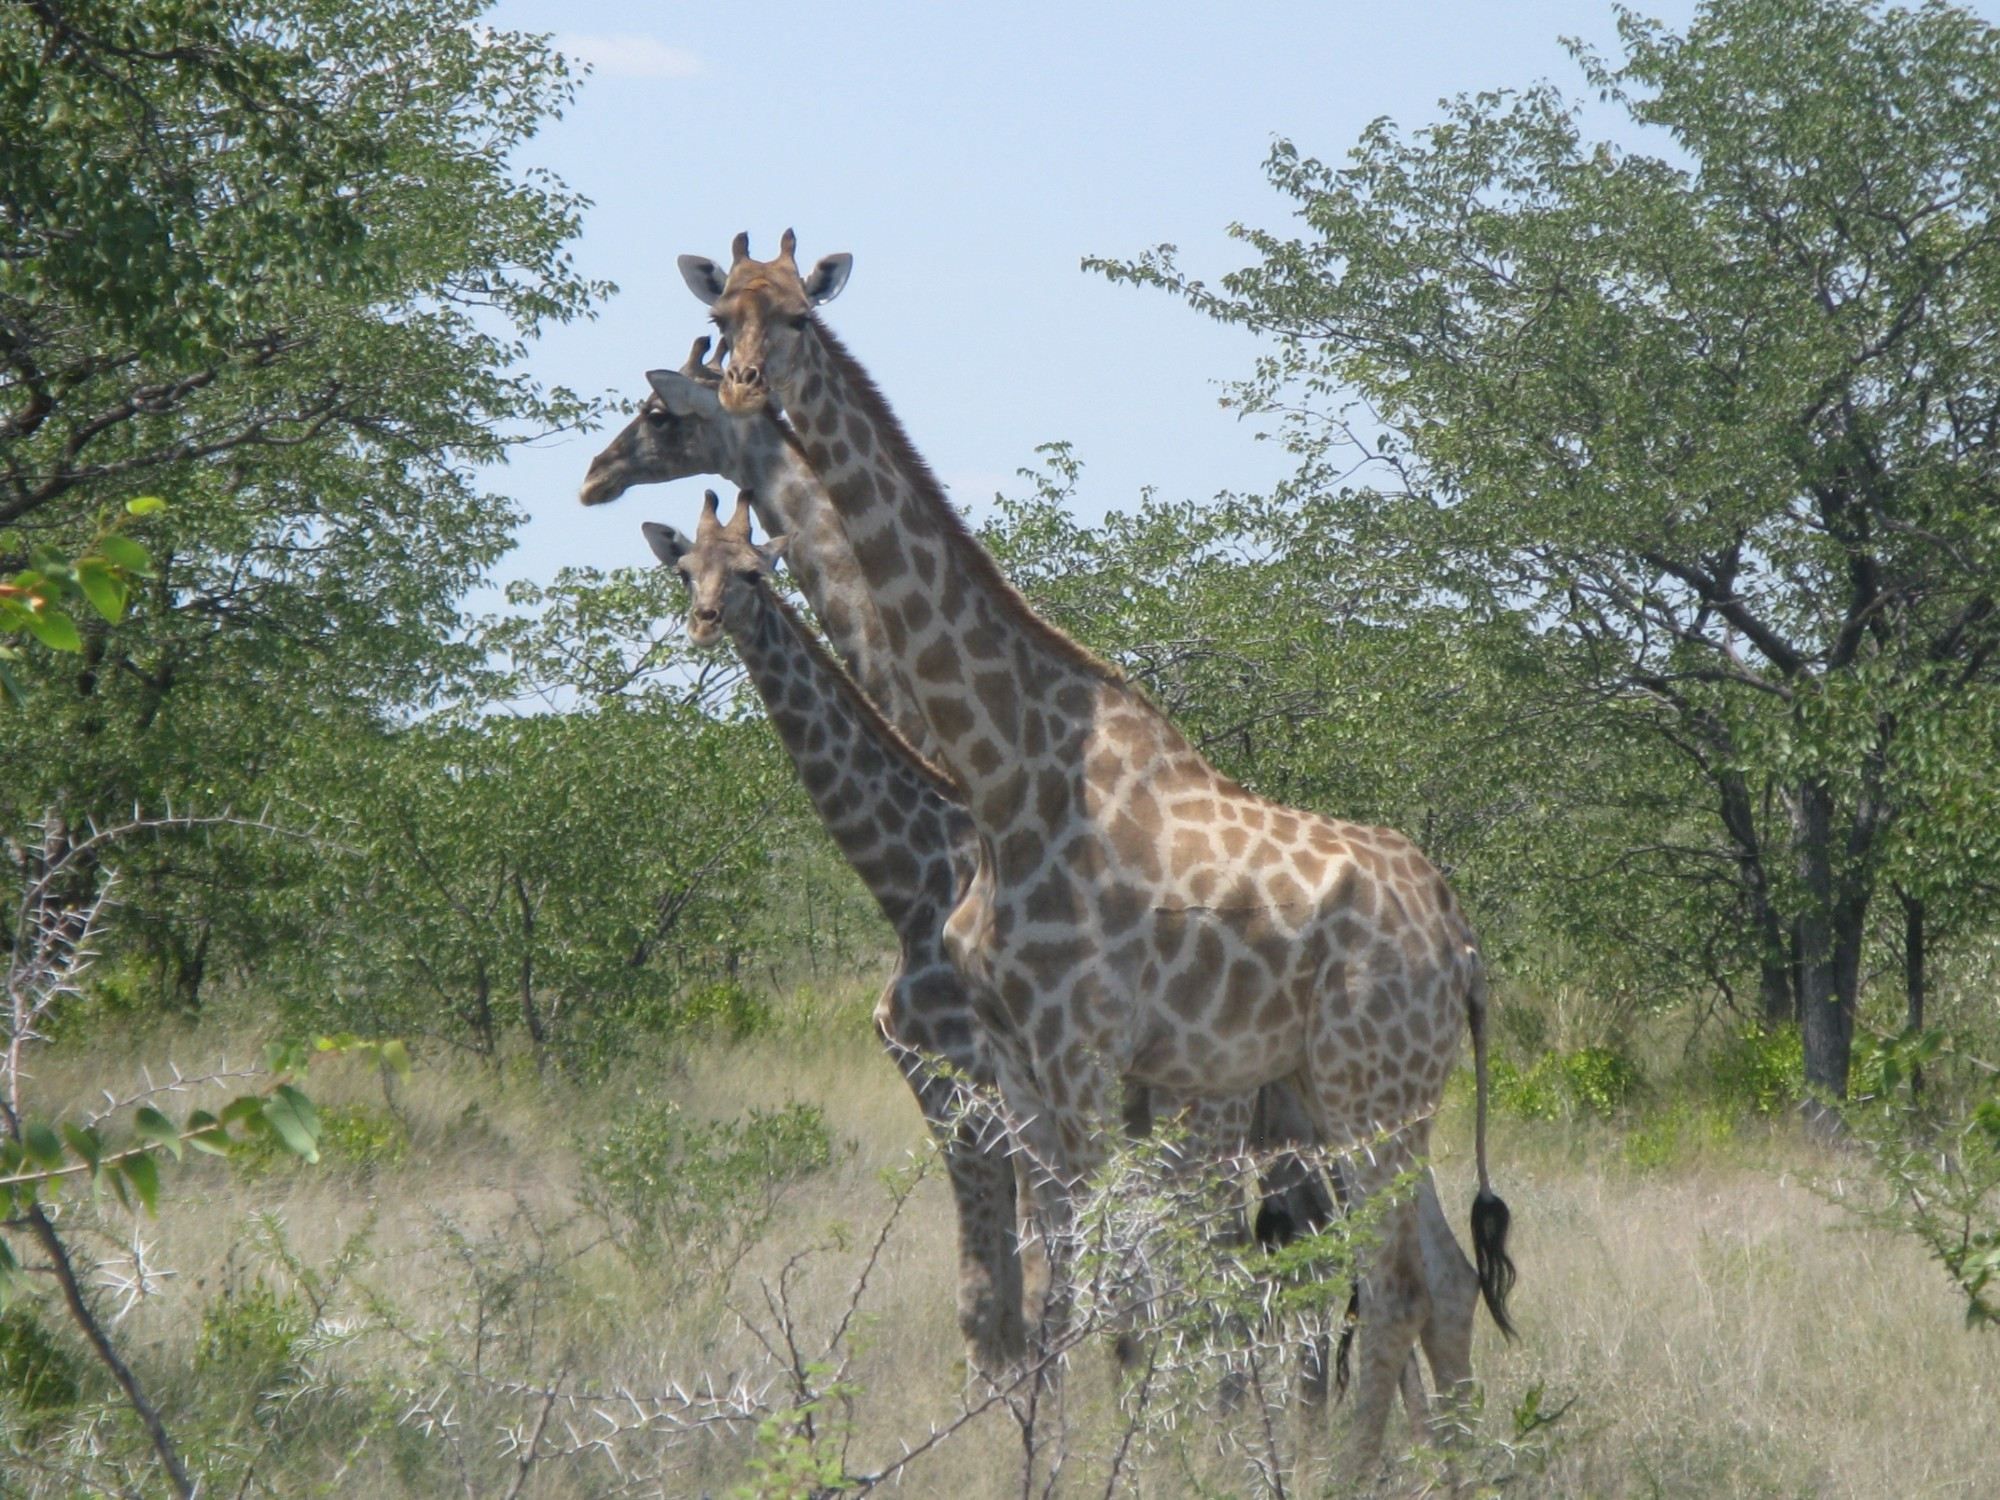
[402, 1095]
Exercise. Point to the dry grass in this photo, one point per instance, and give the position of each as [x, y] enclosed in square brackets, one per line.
[1718, 1326]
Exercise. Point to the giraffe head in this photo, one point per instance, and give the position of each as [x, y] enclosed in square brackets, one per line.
[763, 308]
[722, 567]
[681, 430]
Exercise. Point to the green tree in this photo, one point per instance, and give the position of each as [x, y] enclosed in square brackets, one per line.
[1715, 425]
[556, 877]
[271, 260]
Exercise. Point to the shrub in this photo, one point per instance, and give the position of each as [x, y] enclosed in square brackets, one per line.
[1563, 1085]
[1673, 1135]
[39, 1377]
[251, 1334]
[358, 1136]
[698, 1195]
[1764, 1070]
[720, 1008]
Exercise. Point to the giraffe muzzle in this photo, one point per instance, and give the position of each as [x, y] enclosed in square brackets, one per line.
[743, 389]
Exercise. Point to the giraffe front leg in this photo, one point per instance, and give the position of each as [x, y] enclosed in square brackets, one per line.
[979, 1162]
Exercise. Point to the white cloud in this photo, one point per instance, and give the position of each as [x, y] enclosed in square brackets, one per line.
[630, 56]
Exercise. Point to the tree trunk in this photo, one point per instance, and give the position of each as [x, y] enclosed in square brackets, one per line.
[1913, 977]
[1913, 960]
[537, 1033]
[1775, 955]
[1829, 954]
[1774, 979]
[482, 1010]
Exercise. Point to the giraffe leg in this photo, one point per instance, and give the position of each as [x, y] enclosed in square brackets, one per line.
[1043, 1140]
[1454, 1299]
[979, 1164]
[1034, 1247]
[1293, 1200]
[1394, 1300]
[990, 1300]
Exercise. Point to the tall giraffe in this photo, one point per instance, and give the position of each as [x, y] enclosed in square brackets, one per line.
[1134, 912]
[895, 822]
[682, 431]
[893, 818]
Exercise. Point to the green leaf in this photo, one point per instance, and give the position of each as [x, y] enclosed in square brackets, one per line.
[144, 1175]
[54, 629]
[10, 686]
[396, 1057]
[44, 1145]
[206, 1133]
[10, 1276]
[292, 1115]
[157, 1130]
[123, 552]
[243, 1107]
[85, 1142]
[146, 505]
[102, 588]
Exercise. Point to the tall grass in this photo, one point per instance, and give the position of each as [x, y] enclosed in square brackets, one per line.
[1700, 1311]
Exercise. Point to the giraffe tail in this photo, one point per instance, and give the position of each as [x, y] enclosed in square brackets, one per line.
[1490, 1217]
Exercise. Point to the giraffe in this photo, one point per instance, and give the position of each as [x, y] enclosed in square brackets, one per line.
[908, 864]
[893, 818]
[1135, 913]
[683, 430]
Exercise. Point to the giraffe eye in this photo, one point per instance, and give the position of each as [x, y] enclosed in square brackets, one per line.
[656, 416]
[799, 322]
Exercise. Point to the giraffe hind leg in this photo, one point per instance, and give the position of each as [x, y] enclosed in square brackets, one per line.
[1454, 1301]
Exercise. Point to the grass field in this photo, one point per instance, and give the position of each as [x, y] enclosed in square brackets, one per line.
[1706, 1321]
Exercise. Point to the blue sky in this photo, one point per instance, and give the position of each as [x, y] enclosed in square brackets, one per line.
[969, 157]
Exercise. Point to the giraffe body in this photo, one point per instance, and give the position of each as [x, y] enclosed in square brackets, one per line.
[1135, 913]
[683, 431]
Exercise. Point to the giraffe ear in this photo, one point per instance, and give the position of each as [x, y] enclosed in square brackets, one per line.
[774, 547]
[703, 276]
[827, 278]
[682, 396]
[668, 545]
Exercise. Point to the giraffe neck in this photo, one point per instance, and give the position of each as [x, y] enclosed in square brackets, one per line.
[1000, 689]
[890, 814]
[788, 498]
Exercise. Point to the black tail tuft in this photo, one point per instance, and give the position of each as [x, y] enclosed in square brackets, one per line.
[1489, 1253]
[1346, 1347]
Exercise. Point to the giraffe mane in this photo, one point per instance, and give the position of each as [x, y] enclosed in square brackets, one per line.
[872, 718]
[903, 453]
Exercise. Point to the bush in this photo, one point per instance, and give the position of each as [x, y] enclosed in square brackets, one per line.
[251, 1335]
[1673, 1135]
[1563, 1085]
[362, 1137]
[721, 1008]
[1764, 1070]
[39, 1377]
[696, 1196]
[1936, 1152]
